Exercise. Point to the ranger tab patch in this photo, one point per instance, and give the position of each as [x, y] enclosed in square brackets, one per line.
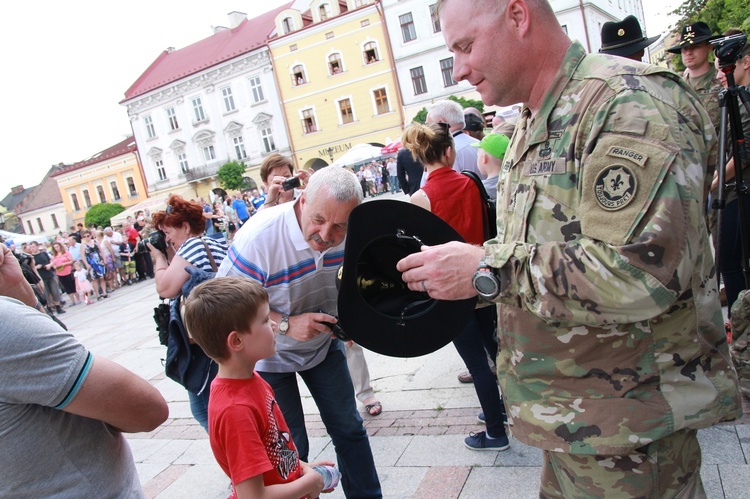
[615, 187]
[634, 156]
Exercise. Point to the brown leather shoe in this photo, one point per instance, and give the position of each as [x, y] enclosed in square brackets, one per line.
[465, 377]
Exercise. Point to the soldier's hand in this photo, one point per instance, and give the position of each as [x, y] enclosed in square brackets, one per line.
[444, 271]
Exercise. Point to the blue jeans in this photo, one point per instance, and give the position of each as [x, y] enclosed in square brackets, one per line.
[331, 388]
[199, 407]
[393, 181]
[473, 345]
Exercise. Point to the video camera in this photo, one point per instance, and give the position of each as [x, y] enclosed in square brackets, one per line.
[728, 48]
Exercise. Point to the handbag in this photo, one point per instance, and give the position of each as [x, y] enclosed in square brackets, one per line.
[161, 318]
[186, 363]
[489, 206]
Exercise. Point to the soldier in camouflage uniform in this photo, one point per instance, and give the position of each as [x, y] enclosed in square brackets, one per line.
[700, 74]
[613, 350]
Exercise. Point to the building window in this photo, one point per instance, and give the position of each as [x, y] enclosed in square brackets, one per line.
[371, 53]
[31, 227]
[208, 153]
[172, 119]
[308, 121]
[407, 27]
[54, 222]
[345, 108]
[150, 132]
[39, 223]
[359, 3]
[226, 93]
[115, 191]
[381, 101]
[298, 75]
[87, 198]
[131, 187]
[100, 191]
[446, 69]
[267, 136]
[435, 18]
[257, 89]
[239, 147]
[325, 11]
[334, 64]
[288, 25]
[74, 201]
[183, 162]
[418, 81]
[198, 110]
[160, 170]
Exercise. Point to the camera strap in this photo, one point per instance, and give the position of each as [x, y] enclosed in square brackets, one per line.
[210, 256]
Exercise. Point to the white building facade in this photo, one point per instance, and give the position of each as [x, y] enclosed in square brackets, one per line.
[229, 111]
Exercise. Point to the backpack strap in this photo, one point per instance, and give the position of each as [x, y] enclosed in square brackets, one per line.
[485, 198]
[211, 257]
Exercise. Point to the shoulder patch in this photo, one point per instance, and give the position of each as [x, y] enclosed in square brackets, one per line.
[615, 187]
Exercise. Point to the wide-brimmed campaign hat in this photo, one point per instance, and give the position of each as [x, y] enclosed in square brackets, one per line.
[376, 308]
[624, 38]
[693, 34]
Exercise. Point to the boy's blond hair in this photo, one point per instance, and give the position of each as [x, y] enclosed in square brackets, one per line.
[217, 307]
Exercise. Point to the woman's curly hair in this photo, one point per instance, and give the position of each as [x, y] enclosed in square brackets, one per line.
[180, 211]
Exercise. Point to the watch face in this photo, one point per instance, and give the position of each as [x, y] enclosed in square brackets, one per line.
[485, 284]
[284, 325]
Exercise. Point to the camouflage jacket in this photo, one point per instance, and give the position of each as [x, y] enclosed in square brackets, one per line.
[609, 321]
[707, 87]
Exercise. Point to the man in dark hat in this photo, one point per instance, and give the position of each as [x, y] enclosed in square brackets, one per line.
[625, 38]
[699, 73]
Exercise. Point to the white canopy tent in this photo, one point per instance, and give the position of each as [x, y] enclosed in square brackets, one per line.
[358, 154]
[21, 238]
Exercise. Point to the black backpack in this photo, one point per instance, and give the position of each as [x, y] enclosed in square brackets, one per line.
[489, 213]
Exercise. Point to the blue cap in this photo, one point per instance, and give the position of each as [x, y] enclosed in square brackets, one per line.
[8, 243]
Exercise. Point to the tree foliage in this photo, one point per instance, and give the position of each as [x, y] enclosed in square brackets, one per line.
[421, 116]
[230, 175]
[99, 214]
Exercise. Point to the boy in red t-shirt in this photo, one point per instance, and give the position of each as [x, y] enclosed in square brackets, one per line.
[229, 318]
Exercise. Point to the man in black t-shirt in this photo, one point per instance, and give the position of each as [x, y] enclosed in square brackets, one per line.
[46, 270]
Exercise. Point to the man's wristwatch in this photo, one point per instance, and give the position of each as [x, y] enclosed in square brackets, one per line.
[486, 282]
[284, 325]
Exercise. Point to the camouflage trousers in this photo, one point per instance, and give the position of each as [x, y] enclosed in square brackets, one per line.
[667, 468]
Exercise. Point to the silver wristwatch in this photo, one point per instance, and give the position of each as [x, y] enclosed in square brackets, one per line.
[486, 282]
[284, 325]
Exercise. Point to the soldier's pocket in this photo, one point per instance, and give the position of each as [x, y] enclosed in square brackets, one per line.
[515, 220]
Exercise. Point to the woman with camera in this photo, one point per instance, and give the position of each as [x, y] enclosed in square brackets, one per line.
[181, 228]
[279, 180]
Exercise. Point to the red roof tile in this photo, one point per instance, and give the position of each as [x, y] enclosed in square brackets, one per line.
[220, 47]
[43, 195]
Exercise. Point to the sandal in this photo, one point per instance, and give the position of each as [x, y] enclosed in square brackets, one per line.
[374, 409]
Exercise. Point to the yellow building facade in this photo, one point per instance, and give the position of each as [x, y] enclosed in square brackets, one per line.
[336, 79]
[110, 176]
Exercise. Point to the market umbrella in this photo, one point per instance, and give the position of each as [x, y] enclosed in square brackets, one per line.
[391, 148]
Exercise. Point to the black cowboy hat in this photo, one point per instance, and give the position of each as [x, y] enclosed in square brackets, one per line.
[693, 34]
[376, 308]
[624, 38]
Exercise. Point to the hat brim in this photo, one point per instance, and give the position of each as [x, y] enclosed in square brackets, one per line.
[678, 48]
[376, 309]
[631, 48]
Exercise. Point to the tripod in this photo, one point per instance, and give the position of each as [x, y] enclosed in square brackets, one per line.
[727, 51]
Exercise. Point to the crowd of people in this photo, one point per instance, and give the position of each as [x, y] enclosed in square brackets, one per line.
[598, 308]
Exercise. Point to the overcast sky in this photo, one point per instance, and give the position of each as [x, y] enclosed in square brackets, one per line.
[68, 64]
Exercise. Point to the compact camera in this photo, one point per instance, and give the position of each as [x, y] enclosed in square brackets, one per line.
[290, 183]
[157, 239]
